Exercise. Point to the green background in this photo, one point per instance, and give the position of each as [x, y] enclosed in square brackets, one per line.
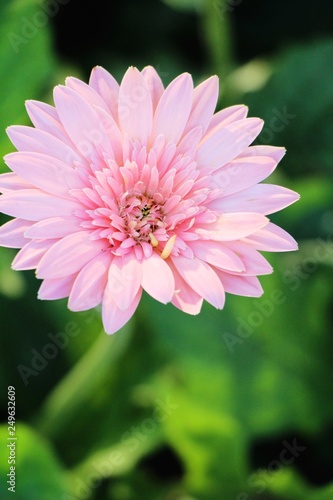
[233, 404]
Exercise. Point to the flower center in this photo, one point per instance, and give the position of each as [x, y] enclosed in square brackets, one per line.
[142, 216]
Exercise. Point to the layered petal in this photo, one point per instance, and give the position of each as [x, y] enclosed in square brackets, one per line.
[113, 317]
[12, 233]
[69, 255]
[59, 288]
[90, 136]
[262, 198]
[89, 286]
[125, 278]
[170, 117]
[201, 277]
[157, 278]
[135, 109]
[223, 144]
[35, 205]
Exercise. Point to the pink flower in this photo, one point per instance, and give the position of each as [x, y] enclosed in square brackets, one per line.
[119, 189]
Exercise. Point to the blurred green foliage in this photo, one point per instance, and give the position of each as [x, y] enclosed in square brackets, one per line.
[234, 404]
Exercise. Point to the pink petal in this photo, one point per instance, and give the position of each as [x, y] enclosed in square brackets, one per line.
[69, 255]
[174, 109]
[233, 226]
[185, 298]
[190, 141]
[30, 255]
[45, 172]
[205, 98]
[154, 84]
[12, 233]
[33, 204]
[273, 152]
[45, 117]
[107, 87]
[227, 116]
[201, 277]
[56, 227]
[38, 141]
[241, 174]
[12, 182]
[248, 286]
[90, 136]
[157, 278]
[87, 92]
[88, 289]
[272, 239]
[217, 254]
[113, 317]
[135, 108]
[225, 143]
[56, 288]
[114, 133]
[254, 263]
[263, 198]
[125, 277]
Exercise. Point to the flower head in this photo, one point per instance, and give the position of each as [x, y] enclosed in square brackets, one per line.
[123, 188]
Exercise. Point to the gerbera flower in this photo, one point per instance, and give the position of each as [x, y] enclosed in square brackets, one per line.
[119, 189]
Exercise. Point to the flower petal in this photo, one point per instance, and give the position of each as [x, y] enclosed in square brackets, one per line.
[135, 108]
[227, 116]
[217, 254]
[13, 182]
[87, 92]
[173, 109]
[47, 173]
[157, 278]
[56, 227]
[89, 286]
[223, 144]
[248, 286]
[201, 277]
[241, 174]
[107, 87]
[154, 84]
[254, 262]
[36, 140]
[33, 204]
[262, 198]
[90, 136]
[58, 288]
[125, 277]
[233, 226]
[205, 98]
[272, 239]
[69, 255]
[276, 153]
[113, 317]
[185, 298]
[12, 233]
[30, 255]
[45, 117]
